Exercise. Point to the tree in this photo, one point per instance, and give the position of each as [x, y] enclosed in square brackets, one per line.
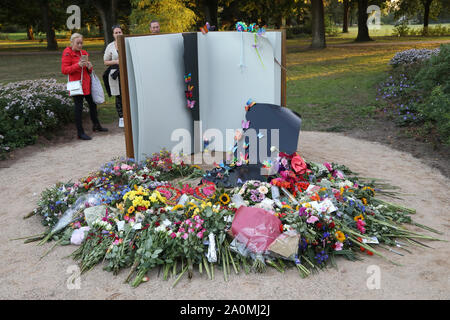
[345, 16]
[426, 8]
[21, 13]
[363, 30]
[172, 14]
[317, 25]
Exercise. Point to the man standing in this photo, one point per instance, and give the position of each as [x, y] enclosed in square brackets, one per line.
[154, 26]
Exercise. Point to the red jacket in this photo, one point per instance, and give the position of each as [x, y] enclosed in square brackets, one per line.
[69, 65]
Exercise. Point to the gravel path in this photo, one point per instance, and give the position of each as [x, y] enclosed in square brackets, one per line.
[424, 274]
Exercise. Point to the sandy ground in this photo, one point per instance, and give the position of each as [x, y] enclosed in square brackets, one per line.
[423, 274]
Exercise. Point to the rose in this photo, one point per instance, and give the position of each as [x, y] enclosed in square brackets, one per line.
[298, 164]
[312, 219]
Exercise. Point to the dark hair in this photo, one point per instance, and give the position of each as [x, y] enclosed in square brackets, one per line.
[116, 26]
[153, 21]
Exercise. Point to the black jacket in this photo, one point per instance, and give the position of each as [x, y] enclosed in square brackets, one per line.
[115, 75]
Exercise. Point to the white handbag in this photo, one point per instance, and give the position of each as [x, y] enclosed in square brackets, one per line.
[96, 89]
[75, 88]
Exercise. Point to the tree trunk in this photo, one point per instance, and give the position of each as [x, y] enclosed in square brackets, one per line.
[317, 25]
[107, 12]
[47, 20]
[426, 15]
[346, 13]
[363, 30]
[30, 33]
[210, 8]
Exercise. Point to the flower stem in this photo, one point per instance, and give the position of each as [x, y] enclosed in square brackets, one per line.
[179, 277]
[205, 262]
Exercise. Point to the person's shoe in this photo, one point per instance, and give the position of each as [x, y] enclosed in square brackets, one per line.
[121, 123]
[84, 136]
[98, 127]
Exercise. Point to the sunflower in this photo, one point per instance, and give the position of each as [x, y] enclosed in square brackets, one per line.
[131, 209]
[178, 207]
[358, 217]
[340, 236]
[224, 199]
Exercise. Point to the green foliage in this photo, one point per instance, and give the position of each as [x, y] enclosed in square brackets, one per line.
[436, 72]
[172, 15]
[433, 81]
[436, 112]
[419, 95]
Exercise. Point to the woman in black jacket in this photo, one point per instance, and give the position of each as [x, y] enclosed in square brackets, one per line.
[111, 76]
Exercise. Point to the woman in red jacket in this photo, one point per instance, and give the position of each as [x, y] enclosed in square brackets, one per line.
[74, 66]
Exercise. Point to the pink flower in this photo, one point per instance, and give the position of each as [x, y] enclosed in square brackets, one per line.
[116, 168]
[328, 166]
[198, 225]
[190, 230]
[312, 219]
[200, 235]
[181, 230]
[338, 246]
[298, 164]
[173, 235]
[360, 225]
[339, 174]
[208, 191]
[184, 236]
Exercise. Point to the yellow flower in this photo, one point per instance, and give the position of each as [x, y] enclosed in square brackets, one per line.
[340, 236]
[178, 207]
[286, 206]
[364, 201]
[131, 209]
[224, 198]
[307, 205]
[358, 217]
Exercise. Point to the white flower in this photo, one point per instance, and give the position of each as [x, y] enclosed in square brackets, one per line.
[263, 189]
[160, 228]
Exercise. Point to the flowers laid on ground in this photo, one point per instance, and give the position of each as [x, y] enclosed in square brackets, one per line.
[307, 215]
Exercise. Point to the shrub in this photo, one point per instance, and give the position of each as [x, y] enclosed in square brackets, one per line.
[418, 93]
[401, 29]
[412, 56]
[435, 110]
[298, 31]
[30, 108]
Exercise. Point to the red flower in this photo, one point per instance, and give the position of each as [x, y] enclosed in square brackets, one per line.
[370, 253]
[281, 228]
[331, 225]
[298, 164]
[319, 225]
[156, 224]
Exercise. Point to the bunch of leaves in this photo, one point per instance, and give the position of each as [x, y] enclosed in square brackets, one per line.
[54, 201]
[31, 108]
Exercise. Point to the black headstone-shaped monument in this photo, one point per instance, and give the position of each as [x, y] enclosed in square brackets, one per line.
[267, 120]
